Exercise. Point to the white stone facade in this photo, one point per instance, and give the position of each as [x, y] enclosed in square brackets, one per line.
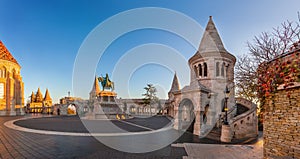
[212, 69]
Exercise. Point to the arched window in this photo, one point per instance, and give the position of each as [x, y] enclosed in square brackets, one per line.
[217, 69]
[14, 73]
[196, 70]
[222, 69]
[200, 69]
[2, 72]
[205, 70]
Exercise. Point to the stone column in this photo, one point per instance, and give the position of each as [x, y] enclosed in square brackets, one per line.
[211, 111]
[201, 117]
[176, 120]
[197, 123]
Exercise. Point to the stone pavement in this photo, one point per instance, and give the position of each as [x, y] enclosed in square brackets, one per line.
[213, 151]
[18, 144]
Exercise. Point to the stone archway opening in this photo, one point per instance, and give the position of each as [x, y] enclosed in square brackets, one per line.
[132, 109]
[186, 115]
[72, 110]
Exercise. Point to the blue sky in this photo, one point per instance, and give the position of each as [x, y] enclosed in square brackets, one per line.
[44, 36]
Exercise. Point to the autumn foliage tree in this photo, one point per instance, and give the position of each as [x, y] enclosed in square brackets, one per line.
[264, 47]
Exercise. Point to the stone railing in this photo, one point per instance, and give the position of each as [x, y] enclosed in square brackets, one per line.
[245, 125]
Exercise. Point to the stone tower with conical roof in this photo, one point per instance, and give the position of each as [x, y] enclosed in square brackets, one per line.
[39, 96]
[211, 70]
[213, 66]
[32, 97]
[40, 104]
[11, 84]
[47, 99]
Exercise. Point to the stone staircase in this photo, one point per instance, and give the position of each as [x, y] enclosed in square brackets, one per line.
[242, 124]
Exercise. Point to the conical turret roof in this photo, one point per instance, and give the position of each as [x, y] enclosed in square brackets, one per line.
[96, 87]
[175, 84]
[39, 96]
[47, 95]
[32, 97]
[32, 94]
[5, 54]
[211, 41]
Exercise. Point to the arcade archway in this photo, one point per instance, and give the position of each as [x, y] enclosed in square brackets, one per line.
[186, 115]
[72, 110]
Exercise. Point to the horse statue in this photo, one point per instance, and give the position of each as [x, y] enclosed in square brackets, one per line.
[106, 83]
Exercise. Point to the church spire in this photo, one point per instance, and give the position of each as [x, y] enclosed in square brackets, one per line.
[47, 95]
[211, 41]
[175, 84]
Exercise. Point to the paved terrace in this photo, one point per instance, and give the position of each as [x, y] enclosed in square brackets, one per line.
[19, 144]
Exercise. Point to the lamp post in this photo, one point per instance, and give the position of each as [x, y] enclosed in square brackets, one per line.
[226, 92]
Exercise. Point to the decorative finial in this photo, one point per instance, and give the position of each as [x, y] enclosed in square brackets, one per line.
[210, 17]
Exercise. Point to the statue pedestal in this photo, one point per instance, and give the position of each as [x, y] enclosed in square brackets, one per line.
[226, 134]
[106, 107]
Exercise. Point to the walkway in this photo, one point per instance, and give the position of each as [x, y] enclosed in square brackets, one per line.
[19, 144]
[213, 151]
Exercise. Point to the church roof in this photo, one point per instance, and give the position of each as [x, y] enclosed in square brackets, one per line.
[211, 41]
[175, 84]
[96, 87]
[5, 54]
[47, 95]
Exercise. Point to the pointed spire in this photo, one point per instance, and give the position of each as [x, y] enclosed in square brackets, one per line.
[32, 97]
[175, 84]
[47, 96]
[39, 95]
[96, 87]
[211, 41]
[5, 54]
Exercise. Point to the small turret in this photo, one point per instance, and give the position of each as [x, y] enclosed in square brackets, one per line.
[47, 96]
[175, 84]
[39, 96]
[32, 97]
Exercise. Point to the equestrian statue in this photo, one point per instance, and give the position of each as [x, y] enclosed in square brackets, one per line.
[106, 82]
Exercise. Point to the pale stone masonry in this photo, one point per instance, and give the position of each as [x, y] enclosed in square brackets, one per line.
[201, 104]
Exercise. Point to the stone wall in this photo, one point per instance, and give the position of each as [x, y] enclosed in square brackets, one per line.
[282, 124]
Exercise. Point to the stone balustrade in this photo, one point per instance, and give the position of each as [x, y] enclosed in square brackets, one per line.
[245, 125]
